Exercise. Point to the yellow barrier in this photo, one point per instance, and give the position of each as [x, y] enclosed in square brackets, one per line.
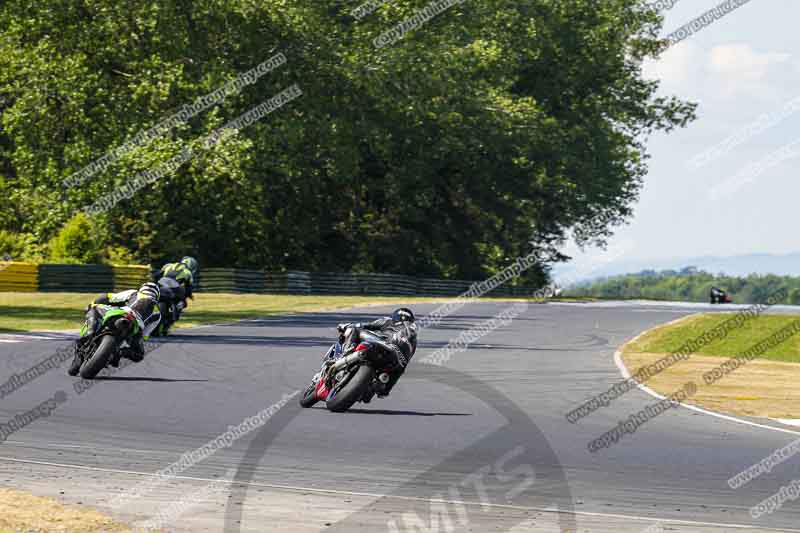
[19, 277]
[130, 276]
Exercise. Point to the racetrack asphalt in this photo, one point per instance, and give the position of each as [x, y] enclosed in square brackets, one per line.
[483, 441]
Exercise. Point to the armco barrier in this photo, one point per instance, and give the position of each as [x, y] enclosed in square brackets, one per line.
[19, 277]
[443, 287]
[130, 276]
[76, 278]
[217, 280]
[298, 282]
[240, 280]
[104, 278]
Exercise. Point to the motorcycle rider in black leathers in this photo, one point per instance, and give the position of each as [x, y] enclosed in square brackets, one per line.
[399, 331]
[185, 272]
[176, 281]
[717, 296]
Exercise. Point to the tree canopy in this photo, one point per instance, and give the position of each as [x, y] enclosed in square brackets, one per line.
[495, 127]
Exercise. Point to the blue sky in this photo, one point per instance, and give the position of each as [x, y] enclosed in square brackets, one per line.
[744, 66]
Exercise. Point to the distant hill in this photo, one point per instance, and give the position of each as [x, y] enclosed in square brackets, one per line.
[691, 285]
[737, 265]
[741, 265]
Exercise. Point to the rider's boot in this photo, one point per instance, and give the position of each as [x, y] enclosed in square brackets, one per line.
[391, 380]
[136, 350]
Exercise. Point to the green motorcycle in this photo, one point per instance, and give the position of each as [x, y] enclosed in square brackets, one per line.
[94, 351]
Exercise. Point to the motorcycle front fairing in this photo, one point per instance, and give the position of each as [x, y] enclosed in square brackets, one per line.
[333, 353]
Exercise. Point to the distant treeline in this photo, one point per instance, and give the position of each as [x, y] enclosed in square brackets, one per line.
[691, 285]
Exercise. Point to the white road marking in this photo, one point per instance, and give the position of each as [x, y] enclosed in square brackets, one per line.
[44, 336]
[48, 445]
[410, 498]
[788, 421]
[627, 375]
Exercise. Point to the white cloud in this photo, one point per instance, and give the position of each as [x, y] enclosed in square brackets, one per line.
[722, 74]
[677, 68]
[740, 70]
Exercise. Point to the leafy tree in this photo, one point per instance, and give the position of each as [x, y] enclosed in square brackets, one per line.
[19, 247]
[77, 242]
[496, 127]
[794, 296]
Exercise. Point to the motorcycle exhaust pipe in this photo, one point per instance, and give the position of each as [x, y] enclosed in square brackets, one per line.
[346, 361]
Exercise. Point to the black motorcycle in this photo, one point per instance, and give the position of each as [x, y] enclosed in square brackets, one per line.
[170, 305]
[354, 369]
[718, 296]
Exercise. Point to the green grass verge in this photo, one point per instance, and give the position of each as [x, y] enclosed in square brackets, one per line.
[670, 338]
[23, 312]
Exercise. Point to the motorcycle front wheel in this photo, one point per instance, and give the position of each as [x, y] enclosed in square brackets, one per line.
[99, 359]
[76, 363]
[309, 398]
[352, 391]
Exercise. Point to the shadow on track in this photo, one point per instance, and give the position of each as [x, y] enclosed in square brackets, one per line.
[324, 320]
[245, 340]
[325, 342]
[392, 412]
[538, 477]
[143, 378]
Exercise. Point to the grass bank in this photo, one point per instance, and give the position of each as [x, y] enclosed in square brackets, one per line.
[20, 511]
[669, 338]
[23, 312]
[764, 387]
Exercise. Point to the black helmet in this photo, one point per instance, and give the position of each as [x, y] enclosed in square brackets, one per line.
[150, 290]
[403, 314]
[192, 264]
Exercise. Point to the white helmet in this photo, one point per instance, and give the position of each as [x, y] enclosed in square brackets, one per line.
[150, 290]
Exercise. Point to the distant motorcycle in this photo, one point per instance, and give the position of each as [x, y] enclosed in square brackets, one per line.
[718, 296]
[351, 372]
[119, 324]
